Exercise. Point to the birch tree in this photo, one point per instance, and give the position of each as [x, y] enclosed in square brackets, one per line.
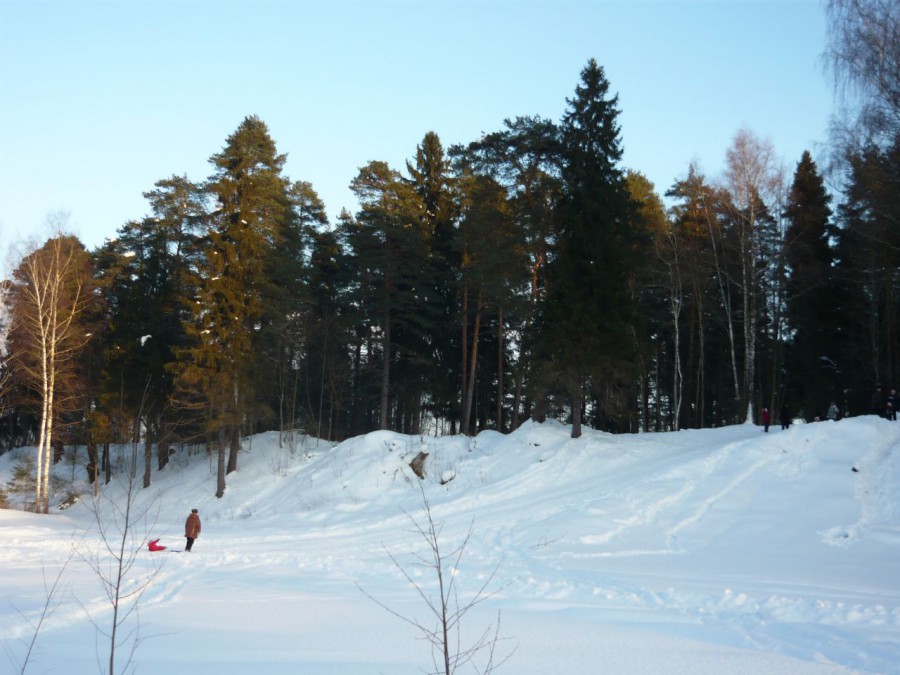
[754, 180]
[52, 289]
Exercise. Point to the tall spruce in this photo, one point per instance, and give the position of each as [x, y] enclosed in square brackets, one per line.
[437, 190]
[588, 321]
[812, 377]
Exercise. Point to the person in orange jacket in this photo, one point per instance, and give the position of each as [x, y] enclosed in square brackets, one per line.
[192, 528]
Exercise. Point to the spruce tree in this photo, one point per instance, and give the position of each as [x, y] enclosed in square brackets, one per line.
[868, 270]
[437, 191]
[810, 293]
[588, 322]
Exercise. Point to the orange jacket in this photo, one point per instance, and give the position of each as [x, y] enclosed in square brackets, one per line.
[192, 526]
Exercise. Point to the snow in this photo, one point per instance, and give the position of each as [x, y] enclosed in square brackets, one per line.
[697, 552]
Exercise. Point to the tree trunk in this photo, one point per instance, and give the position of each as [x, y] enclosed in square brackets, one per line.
[234, 442]
[220, 464]
[576, 413]
[464, 370]
[148, 457]
[107, 464]
[386, 373]
[500, 347]
[469, 395]
[162, 447]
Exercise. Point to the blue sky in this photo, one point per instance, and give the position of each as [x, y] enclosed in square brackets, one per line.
[100, 99]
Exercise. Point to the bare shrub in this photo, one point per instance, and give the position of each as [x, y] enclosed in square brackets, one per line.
[449, 651]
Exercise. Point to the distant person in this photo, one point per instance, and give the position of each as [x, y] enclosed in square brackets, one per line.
[766, 419]
[891, 406]
[785, 416]
[192, 528]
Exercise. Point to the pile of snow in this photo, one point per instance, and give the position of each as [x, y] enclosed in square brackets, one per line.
[698, 552]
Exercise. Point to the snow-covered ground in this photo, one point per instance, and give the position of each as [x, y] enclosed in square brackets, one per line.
[697, 552]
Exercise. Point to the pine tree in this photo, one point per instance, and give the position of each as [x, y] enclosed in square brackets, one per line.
[524, 158]
[492, 264]
[215, 375]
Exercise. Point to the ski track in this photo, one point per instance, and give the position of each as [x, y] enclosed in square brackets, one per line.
[875, 488]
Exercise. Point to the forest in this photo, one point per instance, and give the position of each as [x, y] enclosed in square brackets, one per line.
[526, 274]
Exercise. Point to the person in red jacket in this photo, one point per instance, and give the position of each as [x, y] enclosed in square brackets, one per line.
[766, 419]
[192, 528]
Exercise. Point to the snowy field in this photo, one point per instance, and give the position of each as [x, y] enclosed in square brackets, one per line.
[723, 551]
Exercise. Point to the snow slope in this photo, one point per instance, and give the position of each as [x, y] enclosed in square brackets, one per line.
[697, 552]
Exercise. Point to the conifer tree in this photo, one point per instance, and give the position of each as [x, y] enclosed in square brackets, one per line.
[810, 292]
[492, 264]
[327, 378]
[524, 158]
[437, 190]
[588, 321]
[215, 375]
[290, 316]
[146, 275]
[384, 240]
[660, 297]
[867, 302]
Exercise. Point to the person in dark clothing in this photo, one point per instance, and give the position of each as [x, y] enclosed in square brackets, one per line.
[891, 406]
[785, 416]
[766, 419]
[192, 528]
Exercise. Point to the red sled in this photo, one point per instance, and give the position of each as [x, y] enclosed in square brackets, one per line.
[155, 546]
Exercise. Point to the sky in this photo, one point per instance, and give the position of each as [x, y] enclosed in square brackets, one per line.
[99, 99]
[696, 552]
